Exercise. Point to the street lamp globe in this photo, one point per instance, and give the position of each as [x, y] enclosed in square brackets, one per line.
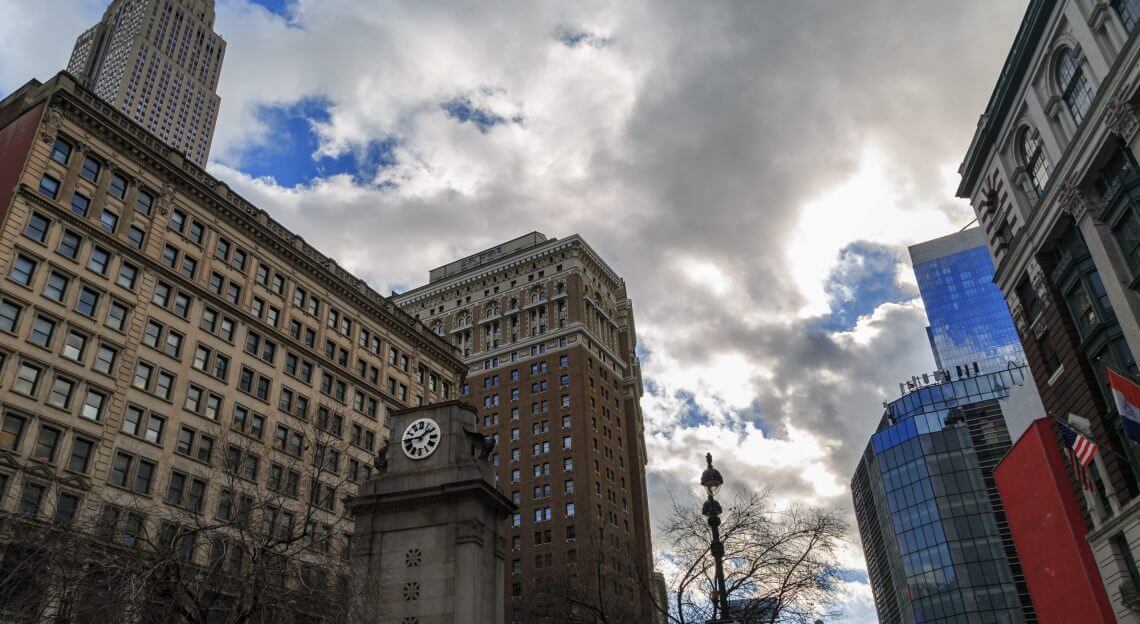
[710, 478]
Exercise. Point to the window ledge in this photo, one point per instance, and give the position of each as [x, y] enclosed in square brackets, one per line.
[1056, 375]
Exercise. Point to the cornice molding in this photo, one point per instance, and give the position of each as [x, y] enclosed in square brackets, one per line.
[148, 264]
[482, 272]
[181, 177]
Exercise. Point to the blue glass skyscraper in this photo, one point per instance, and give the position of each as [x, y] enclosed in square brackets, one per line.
[935, 536]
[969, 320]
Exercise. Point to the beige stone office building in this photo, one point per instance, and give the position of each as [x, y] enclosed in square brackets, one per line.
[158, 62]
[169, 353]
[547, 331]
[1052, 175]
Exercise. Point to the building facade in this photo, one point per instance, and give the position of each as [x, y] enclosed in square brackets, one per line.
[1051, 174]
[934, 532]
[547, 331]
[970, 327]
[158, 62]
[173, 360]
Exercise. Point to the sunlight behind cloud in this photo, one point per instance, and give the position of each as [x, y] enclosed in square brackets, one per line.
[706, 274]
[870, 205]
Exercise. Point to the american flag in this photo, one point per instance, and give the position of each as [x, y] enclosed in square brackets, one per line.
[1079, 452]
[1083, 447]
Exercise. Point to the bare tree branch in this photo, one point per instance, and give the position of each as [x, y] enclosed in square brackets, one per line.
[267, 549]
[781, 565]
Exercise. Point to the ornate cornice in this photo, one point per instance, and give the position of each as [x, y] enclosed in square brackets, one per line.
[475, 274]
[181, 177]
[149, 264]
[445, 495]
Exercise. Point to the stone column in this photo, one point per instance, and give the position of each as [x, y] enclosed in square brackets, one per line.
[1114, 273]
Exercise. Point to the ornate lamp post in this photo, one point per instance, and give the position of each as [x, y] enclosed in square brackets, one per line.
[711, 481]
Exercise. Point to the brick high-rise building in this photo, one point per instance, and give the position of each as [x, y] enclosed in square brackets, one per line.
[547, 330]
[174, 362]
[158, 62]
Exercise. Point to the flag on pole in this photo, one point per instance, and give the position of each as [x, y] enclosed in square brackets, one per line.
[1083, 448]
[1073, 441]
[1127, 397]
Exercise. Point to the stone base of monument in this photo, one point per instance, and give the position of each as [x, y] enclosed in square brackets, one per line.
[431, 526]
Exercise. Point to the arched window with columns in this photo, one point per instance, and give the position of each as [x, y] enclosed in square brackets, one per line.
[1033, 157]
[1075, 87]
[1128, 11]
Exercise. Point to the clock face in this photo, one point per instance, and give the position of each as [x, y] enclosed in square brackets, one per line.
[421, 438]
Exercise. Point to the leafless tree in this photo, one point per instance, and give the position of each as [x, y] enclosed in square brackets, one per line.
[781, 564]
[597, 587]
[249, 534]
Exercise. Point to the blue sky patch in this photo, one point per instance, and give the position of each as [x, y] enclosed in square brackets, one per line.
[864, 278]
[691, 414]
[280, 7]
[573, 38]
[287, 155]
[462, 110]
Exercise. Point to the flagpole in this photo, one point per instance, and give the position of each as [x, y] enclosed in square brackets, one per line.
[1089, 436]
[1118, 371]
[1126, 441]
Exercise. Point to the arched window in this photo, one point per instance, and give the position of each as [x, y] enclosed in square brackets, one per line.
[1035, 161]
[1129, 12]
[1075, 88]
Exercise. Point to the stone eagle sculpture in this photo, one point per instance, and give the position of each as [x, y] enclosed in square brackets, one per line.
[485, 445]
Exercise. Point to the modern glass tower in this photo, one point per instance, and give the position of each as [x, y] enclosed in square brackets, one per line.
[970, 323]
[935, 536]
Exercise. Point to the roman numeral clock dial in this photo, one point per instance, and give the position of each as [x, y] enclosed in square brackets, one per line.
[421, 438]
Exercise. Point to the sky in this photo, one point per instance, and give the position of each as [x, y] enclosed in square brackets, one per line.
[754, 170]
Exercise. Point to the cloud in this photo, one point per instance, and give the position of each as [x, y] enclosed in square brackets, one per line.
[753, 170]
[36, 38]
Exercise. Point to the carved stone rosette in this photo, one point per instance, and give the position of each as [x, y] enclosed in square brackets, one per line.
[1073, 201]
[49, 126]
[1120, 119]
[167, 200]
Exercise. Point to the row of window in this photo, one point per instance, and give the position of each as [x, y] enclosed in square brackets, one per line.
[127, 527]
[38, 229]
[63, 391]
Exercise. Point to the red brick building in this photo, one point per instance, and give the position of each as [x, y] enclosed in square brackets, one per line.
[547, 330]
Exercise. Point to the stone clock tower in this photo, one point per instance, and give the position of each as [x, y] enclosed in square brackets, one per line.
[430, 526]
